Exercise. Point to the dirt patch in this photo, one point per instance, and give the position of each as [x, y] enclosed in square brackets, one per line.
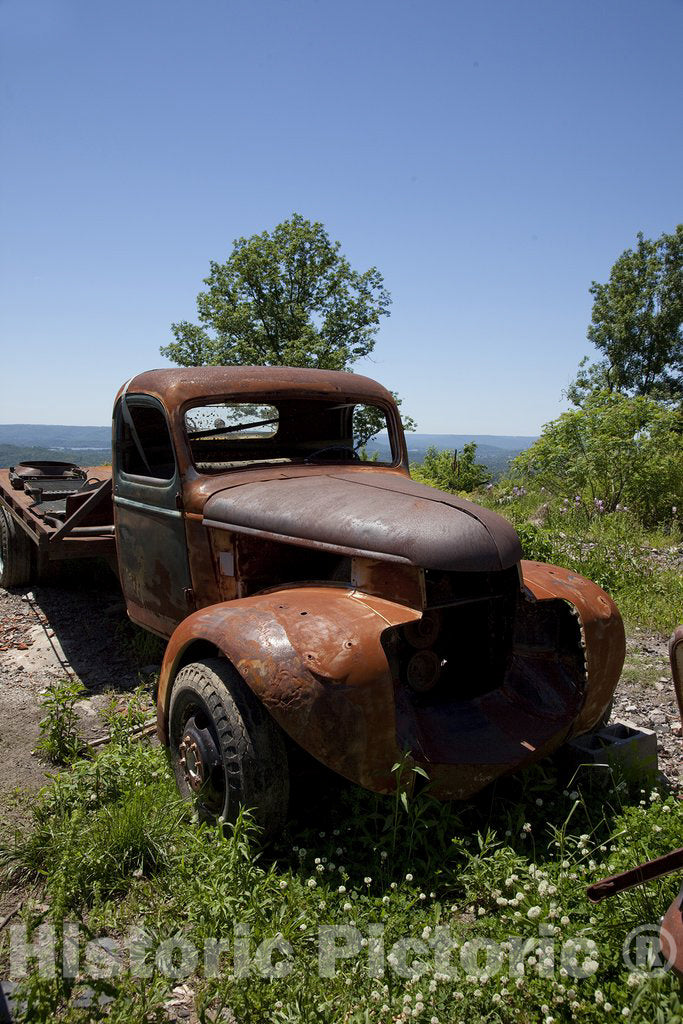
[645, 695]
[74, 626]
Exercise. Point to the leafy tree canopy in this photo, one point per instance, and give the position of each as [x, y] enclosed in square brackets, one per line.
[287, 297]
[637, 324]
[614, 450]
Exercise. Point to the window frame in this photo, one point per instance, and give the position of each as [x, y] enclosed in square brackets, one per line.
[141, 401]
[393, 428]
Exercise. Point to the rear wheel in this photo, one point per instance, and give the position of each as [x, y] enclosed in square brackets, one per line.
[225, 748]
[16, 552]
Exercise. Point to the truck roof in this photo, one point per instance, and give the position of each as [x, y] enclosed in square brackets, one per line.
[176, 386]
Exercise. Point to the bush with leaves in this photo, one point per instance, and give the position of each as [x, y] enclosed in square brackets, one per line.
[452, 472]
[614, 452]
[59, 741]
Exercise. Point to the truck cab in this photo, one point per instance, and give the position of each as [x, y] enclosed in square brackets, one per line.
[183, 438]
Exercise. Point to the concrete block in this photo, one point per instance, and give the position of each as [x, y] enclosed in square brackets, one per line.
[629, 750]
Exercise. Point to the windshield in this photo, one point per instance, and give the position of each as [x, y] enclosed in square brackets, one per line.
[227, 434]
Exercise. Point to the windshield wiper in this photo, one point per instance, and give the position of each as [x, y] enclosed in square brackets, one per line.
[233, 429]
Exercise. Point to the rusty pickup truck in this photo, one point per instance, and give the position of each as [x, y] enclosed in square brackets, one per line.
[313, 597]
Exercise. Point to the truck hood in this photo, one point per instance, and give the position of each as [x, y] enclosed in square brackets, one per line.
[376, 513]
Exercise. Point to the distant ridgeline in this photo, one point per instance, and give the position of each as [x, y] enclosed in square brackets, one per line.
[21, 442]
[92, 445]
[493, 450]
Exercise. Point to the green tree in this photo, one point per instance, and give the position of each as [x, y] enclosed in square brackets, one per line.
[452, 472]
[287, 297]
[637, 323]
[614, 450]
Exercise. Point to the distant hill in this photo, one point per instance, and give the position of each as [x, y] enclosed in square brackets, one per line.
[11, 454]
[92, 445]
[87, 446]
[45, 435]
[494, 450]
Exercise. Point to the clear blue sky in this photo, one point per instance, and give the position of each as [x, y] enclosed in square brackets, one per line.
[491, 157]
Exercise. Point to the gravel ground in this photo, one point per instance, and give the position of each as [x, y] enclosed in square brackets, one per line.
[645, 696]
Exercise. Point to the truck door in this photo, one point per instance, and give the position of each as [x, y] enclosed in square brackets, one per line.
[150, 532]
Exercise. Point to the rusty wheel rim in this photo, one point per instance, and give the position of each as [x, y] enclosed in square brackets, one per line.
[200, 761]
[191, 762]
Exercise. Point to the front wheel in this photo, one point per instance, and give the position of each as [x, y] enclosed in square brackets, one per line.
[225, 748]
[16, 552]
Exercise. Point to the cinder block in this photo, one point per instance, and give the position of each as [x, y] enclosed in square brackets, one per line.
[629, 750]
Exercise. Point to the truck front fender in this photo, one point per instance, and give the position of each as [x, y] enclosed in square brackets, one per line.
[313, 657]
[602, 633]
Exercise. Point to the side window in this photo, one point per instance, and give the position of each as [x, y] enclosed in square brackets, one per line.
[372, 439]
[144, 442]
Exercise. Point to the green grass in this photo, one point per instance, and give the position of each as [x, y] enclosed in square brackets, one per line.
[612, 549]
[145, 647]
[111, 847]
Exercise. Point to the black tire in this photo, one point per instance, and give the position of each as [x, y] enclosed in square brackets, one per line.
[225, 748]
[16, 553]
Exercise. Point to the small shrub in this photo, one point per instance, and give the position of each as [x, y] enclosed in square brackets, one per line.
[536, 543]
[451, 471]
[59, 741]
[125, 718]
[146, 647]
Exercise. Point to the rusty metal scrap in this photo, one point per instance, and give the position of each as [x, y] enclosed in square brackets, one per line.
[671, 936]
[602, 633]
[671, 930]
[371, 513]
[321, 660]
[646, 872]
[676, 657]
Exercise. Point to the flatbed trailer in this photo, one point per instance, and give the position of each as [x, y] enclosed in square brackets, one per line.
[55, 512]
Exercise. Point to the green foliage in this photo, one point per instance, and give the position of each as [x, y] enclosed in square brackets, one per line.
[615, 451]
[284, 298]
[59, 741]
[536, 543]
[452, 472]
[611, 548]
[115, 850]
[637, 323]
[146, 647]
[125, 719]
